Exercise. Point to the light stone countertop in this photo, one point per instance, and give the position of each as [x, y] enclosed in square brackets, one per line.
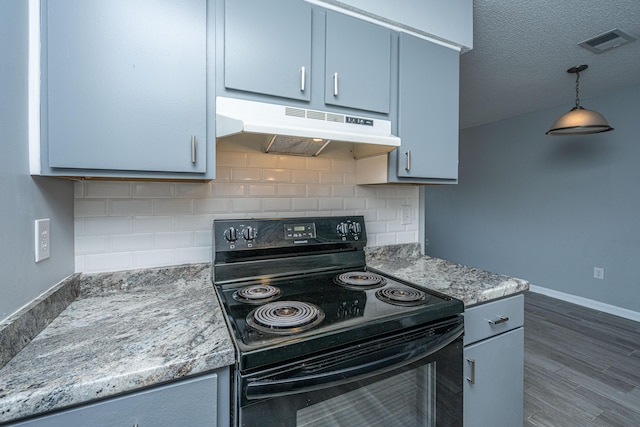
[124, 332]
[135, 329]
[471, 285]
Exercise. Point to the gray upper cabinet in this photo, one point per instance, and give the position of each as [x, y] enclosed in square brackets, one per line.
[358, 64]
[428, 110]
[428, 92]
[125, 88]
[267, 47]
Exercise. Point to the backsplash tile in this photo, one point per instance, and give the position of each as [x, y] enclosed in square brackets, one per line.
[129, 225]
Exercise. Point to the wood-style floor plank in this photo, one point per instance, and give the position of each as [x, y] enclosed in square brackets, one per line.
[582, 366]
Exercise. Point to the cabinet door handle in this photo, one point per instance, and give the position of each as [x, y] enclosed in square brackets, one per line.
[193, 149]
[472, 377]
[408, 168]
[303, 78]
[501, 319]
[335, 84]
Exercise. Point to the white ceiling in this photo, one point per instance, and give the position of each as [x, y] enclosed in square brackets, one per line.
[522, 49]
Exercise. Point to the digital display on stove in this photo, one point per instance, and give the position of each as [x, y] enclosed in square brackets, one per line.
[300, 231]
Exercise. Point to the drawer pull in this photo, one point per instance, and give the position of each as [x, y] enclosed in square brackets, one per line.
[501, 319]
[472, 377]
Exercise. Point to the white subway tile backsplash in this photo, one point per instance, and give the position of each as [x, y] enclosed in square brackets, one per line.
[194, 190]
[193, 222]
[129, 207]
[172, 206]
[154, 189]
[262, 160]
[107, 189]
[130, 242]
[91, 244]
[124, 225]
[212, 205]
[95, 226]
[154, 258]
[181, 239]
[90, 207]
[276, 204]
[150, 224]
[263, 190]
[246, 175]
[276, 175]
[334, 204]
[246, 205]
[231, 159]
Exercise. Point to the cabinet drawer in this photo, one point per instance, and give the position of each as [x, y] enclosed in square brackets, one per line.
[493, 318]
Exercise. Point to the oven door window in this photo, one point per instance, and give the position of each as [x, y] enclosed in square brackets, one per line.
[407, 399]
[405, 382]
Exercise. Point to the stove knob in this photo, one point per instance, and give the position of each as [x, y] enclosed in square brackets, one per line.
[355, 228]
[230, 234]
[249, 233]
[342, 229]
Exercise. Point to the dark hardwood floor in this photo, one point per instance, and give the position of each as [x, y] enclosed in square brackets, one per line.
[581, 366]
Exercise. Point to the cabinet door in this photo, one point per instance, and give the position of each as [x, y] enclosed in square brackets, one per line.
[186, 403]
[427, 110]
[267, 47]
[495, 398]
[126, 84]
[358, 64]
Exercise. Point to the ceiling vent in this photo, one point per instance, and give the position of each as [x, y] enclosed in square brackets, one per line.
[606, 41]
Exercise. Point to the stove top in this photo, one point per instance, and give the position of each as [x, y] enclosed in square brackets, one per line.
[294, 287]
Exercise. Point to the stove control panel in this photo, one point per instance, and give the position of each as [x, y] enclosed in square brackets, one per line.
[270, 234]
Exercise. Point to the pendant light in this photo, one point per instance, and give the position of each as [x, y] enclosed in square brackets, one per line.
[579, 120]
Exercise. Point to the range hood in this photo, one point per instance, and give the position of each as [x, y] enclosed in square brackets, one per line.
[299, 131]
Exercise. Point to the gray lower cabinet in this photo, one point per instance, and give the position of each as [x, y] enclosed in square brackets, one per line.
[192, 402]
[428, 93]
[494, 364]
[124, 89]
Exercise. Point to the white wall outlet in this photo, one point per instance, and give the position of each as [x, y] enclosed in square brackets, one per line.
[598, 273]
[42, 239]
[406, 215]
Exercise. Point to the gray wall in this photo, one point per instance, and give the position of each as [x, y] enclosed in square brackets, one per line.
[22, 198]
[548, 209]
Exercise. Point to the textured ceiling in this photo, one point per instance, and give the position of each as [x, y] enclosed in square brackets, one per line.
[522, 49]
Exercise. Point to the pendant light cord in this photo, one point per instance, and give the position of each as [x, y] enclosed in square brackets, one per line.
[577, 90]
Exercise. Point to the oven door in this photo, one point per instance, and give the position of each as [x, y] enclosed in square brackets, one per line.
[413, 378]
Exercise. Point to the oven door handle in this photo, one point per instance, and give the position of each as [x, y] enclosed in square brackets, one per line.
[384, 361]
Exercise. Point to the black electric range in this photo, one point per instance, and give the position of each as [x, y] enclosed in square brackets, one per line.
[297, 287]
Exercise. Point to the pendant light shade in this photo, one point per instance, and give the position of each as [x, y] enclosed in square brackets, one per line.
[579, 121]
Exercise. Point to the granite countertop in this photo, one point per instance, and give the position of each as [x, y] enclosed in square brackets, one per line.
[125, 331]
[471, 285]
[135, 329]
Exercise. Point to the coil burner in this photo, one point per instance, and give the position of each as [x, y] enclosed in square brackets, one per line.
[402, 296]
[257, 294]
[360, 280]
[285, 317]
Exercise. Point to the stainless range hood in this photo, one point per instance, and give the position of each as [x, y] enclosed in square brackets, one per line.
[299, 131]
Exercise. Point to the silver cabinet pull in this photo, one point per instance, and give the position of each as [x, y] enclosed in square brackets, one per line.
[335, 84]
[501, 319]
[408, 168]
[303, 78]
[193, 149]
[472, 377]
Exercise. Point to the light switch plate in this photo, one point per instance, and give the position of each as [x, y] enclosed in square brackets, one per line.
[42, 239]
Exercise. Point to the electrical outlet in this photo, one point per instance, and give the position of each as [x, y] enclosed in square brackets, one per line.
[406, 214]
[42, 239]
[598, 273]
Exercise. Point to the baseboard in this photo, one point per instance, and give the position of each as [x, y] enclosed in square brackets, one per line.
[586, 302]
